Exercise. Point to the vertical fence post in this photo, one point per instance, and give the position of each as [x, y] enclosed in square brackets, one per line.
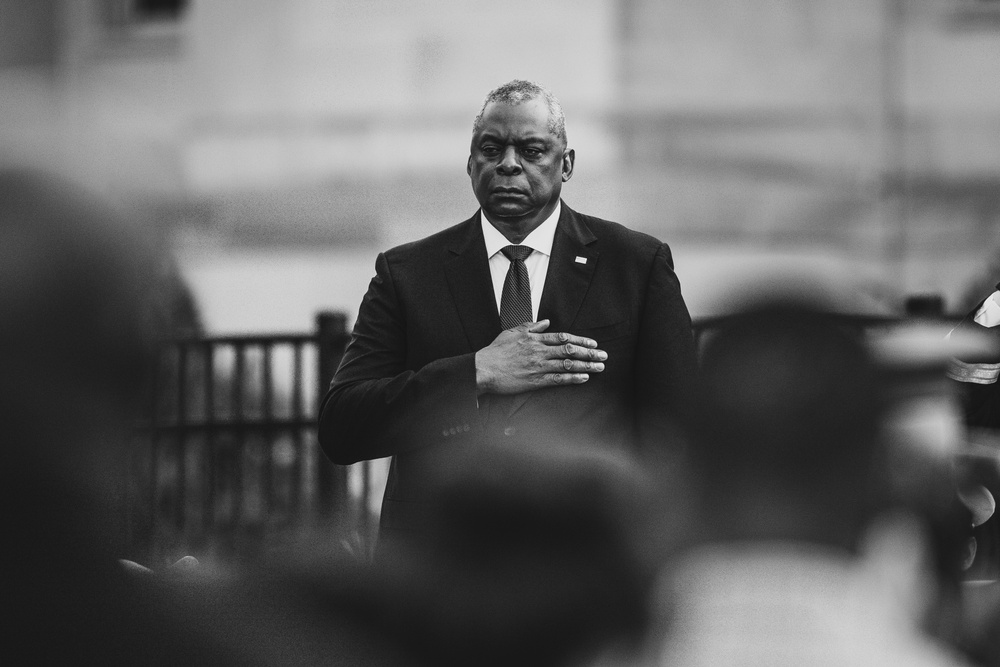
[331, 337]
[141, 492]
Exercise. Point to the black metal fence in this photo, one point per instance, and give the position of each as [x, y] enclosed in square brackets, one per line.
[227, 456]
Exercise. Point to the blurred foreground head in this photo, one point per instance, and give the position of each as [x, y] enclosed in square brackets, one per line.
[79, 307]
[76, 293]
[812, 554]
[530, 558]
[786, 426]
[75, 287]
[78, 315]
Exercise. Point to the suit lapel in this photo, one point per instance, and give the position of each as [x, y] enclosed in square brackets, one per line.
[571, 268]
[467, 269]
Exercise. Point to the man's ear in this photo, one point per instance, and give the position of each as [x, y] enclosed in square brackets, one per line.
[468, 166]
[569, 157]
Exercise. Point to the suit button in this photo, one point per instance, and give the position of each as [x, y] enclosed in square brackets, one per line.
[445, 433]
[510, 430]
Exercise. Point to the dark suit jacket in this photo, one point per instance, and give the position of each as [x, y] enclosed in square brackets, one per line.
[406, 387]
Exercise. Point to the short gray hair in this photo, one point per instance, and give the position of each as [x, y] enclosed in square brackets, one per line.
[518, 91]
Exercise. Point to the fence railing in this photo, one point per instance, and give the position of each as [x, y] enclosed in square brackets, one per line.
[228, 455]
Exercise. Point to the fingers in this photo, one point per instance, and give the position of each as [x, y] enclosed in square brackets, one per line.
[567, 365]
[570, 371]
[569, 351]
[563, 338]
[565, 345]
[565, 378]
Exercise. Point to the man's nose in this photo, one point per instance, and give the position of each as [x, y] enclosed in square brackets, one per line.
[509, 163]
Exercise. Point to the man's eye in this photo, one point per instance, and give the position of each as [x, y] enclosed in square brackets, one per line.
[489, 150]
[531, 152]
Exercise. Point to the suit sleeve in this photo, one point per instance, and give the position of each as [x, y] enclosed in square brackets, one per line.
[666, 364]
[377, 405]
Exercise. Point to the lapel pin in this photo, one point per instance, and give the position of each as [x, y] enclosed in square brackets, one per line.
[581, 260]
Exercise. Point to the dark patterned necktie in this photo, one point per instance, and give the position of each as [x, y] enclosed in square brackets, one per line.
[515, 301]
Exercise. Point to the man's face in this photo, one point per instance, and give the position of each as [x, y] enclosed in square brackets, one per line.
[517, 165]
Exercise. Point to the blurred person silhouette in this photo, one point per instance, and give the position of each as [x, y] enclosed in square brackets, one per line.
[801, 554]
[81, 303]
[527, 322]
[976, 376]
[532, 558]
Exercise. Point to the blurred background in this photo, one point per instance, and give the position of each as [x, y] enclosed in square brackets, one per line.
[275, 148]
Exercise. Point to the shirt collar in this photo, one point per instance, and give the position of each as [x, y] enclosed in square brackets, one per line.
[539, 239]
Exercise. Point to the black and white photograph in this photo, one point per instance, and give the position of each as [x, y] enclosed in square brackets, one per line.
[563, 333]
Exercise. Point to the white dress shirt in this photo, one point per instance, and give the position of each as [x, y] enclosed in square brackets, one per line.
[540, 241]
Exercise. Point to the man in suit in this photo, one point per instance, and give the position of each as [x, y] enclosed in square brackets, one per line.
[577, 335]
